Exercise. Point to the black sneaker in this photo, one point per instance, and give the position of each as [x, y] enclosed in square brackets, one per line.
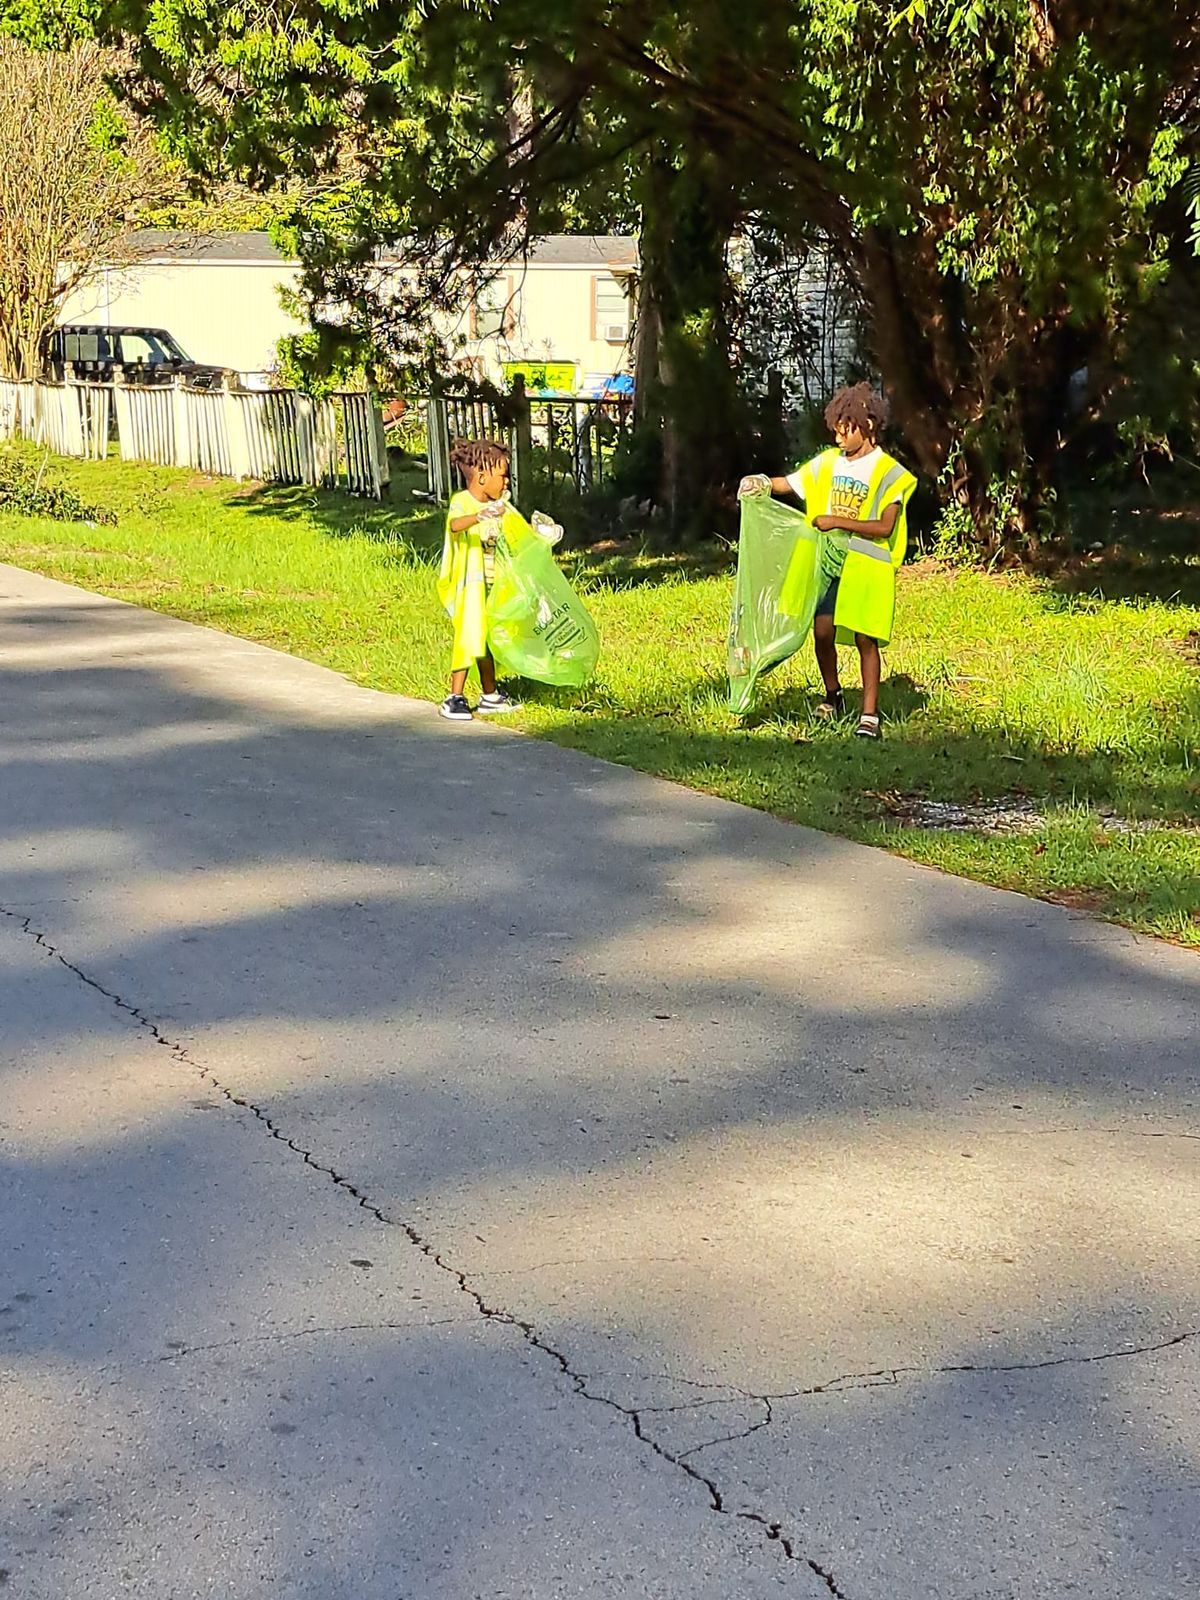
[455, 708]
[496, 705]
[868, 727]
[831, 709]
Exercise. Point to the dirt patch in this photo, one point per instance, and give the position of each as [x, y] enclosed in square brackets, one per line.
[614, 547]
[1088, 900]
[1011, 814]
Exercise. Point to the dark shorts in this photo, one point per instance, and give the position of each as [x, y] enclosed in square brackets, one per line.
[827, 602]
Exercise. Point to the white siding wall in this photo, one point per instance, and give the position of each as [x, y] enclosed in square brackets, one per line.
[228, 313]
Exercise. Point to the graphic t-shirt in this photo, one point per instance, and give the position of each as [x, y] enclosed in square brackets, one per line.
[464, 504]
[851, 481]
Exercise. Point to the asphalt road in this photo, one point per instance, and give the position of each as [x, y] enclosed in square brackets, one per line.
[434, 1164]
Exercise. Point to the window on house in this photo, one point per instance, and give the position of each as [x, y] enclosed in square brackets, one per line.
[492, 311]
[610, 310]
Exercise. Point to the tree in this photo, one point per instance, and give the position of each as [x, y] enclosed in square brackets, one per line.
[73, 174]
[457, 145]
[998, 181]
[994, 176]
[688, 387]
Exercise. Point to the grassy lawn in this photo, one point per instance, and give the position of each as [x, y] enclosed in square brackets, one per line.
[1083, 707]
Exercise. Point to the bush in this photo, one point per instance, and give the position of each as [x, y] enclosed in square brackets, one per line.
[23, 489]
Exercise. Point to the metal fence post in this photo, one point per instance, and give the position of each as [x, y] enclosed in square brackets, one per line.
[522, 437]
[437, 431]
[774, 435]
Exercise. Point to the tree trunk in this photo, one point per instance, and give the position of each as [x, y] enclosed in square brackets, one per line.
[687, 385]
[985, 418]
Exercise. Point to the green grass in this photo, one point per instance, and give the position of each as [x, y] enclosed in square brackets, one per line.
[995, 687]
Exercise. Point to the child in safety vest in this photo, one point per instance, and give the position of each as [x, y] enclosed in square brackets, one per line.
[468, 559]
[858, 490]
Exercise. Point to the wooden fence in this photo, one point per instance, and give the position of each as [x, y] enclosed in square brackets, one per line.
[271, 436]
[70, 419]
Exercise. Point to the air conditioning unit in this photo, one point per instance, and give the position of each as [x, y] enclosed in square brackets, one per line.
[615, 333]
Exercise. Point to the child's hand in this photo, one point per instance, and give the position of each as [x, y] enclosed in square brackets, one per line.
[757, 483]
[825, 524]
[546, 528]
[488, 523]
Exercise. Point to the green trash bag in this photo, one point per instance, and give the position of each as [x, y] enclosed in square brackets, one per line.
[538, 627]
[775, 593]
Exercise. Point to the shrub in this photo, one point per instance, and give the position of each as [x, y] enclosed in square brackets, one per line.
[23, 489]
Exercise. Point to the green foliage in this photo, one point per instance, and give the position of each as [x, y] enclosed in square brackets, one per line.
[637, 464]
[998, 180]
[1151, 398]
[317, 366]
[231, 208]
[951, 540]
[24, 490]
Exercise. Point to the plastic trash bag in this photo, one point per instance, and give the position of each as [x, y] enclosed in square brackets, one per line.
[775, 593]
[538, 627]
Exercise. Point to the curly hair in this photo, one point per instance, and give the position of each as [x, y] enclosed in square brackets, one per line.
[477, 455]
[859, 406]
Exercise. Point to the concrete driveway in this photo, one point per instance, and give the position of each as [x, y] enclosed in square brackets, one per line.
[435, 1164]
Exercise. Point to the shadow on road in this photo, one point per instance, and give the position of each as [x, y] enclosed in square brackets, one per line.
[544, 1009]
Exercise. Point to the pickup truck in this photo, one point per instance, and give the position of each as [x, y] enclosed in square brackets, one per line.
[93, 353]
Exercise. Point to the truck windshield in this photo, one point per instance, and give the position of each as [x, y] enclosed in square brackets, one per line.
[150, 347]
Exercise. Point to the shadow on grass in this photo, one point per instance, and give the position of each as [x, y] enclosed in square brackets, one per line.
[399, 517]
[1159, 560]
[404, 516]
[1142, 546]
[633, 562]
[784, 761]
[822, 776]
[901, 696]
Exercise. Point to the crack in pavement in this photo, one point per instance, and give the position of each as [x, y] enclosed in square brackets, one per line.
[764, 1421]
[582, 1261]
[1108, 1133]
[884, 1377]
[773, 1531]
[889, 1377]
[737, 1393]
[243, 1340]
[112, 1370]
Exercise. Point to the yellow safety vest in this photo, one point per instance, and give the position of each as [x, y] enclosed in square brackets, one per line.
[866, 597]
[462, 588]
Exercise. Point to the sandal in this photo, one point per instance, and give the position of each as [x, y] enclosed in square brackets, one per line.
[868, 727]
[831, 708]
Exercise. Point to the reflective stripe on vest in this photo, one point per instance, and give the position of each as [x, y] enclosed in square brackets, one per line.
[891, 477]
[869, 547]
